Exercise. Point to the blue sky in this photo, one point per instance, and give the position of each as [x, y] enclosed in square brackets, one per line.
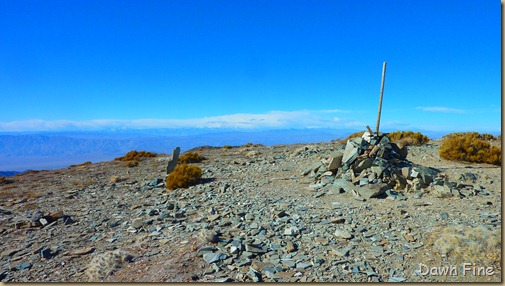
[250, 64]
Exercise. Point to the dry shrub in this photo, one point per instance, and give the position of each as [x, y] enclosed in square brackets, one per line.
[131, 163]
[465, 244]
[190, 157]
[470, 147]
[27, 173]
[5, 181]
[132, 158]
[134, 155]
[84, 184]
[105, 264]
[227, 147]
[250, 144]
[82, 164]
[408, 138]
[116, 179]
[354, 135]
[183, 176]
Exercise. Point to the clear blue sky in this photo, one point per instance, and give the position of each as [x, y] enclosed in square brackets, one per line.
[276, 64]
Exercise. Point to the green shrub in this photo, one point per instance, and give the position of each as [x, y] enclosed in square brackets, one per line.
[470, 147]
[190, 157]
[183, 176]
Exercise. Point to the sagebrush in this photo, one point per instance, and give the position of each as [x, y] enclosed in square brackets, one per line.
[183, 176]
[407, 138]
[470, 147]
[190, 157]
[132, 158]
[136, 155]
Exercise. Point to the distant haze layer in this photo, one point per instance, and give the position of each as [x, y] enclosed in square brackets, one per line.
[21, 152]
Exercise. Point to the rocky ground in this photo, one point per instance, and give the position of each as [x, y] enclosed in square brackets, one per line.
[254, 217]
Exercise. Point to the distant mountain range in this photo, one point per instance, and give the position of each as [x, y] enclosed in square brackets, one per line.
[8, 173]
[51, 150]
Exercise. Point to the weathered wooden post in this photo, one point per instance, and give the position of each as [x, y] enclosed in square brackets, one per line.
[380, 100]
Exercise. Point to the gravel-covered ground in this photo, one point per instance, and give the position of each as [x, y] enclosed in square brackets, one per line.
[252, 218]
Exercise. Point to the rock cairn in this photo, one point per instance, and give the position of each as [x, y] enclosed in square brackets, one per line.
[372, 166]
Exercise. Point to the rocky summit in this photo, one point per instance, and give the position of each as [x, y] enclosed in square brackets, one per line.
[368, 210]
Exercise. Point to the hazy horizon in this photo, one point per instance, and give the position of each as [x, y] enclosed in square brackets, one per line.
[51, 150]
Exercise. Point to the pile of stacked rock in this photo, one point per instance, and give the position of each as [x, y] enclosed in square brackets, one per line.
[373, 166]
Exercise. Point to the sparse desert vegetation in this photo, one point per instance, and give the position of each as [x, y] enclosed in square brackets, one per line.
[460, 244]
[242, 186]
[404, 138]
[135, 155]
[87, 163]
[190, 157]
[408, 138]
[470, 147]
[132, 158]
[183, 176]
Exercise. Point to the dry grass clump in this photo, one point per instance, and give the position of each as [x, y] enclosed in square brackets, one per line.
[84, 184]
[183, 176]
[190, 157]
[82, 164]
[470, 147]
[105, 264]
[408, 138]
[131, 163]
[465, 244]
[134, 155]
[250, 144]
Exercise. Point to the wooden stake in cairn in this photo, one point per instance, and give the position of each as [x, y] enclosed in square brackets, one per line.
[380, 100]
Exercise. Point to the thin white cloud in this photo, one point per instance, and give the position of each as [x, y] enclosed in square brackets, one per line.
[440, 109]
[332, 111]
[272, 119]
